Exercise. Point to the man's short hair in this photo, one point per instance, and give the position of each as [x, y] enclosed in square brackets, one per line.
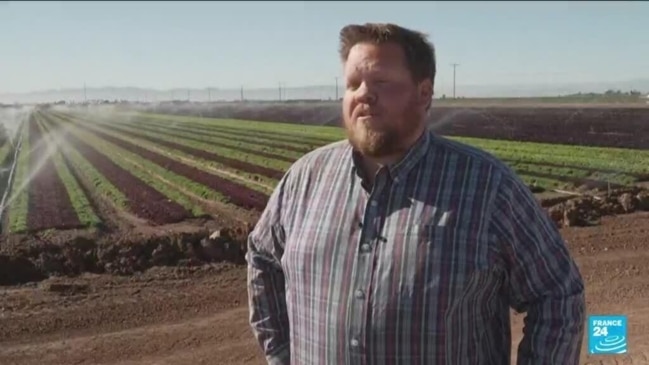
[419, 52]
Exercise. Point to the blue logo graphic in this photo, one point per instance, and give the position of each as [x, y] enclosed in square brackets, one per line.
[607, 334]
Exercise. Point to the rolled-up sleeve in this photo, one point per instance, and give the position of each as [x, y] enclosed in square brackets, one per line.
[266, 292]
[544, 280]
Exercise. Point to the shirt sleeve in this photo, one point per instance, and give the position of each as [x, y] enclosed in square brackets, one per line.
[266, 293]
[544, 280]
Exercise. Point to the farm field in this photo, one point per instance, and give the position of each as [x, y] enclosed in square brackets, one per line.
[104, 191]
[95, 175]
[580, 124]
[85, 170]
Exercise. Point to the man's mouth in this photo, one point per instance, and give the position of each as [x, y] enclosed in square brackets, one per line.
[368, 115]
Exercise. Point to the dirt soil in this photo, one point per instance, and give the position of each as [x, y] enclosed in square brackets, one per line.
[198, 315]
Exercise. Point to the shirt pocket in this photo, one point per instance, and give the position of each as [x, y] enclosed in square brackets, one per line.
[448, 277]
[468, 282]
[448, 262]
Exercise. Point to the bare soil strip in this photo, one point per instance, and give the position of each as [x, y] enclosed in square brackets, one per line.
[199, 315]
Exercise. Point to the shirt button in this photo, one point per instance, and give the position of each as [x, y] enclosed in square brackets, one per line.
[365, 247]
[354, 342]
[374, 203]
[359, 294]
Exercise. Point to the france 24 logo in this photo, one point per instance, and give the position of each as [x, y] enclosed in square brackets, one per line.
[607, 334]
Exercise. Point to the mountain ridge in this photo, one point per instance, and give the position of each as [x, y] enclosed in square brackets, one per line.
[324, 92]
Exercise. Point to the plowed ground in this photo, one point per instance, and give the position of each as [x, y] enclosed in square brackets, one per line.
[199, 316]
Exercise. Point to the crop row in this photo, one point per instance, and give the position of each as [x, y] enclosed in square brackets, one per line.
[623, 127]
[85, 167]
[545, 165]
[80, 170]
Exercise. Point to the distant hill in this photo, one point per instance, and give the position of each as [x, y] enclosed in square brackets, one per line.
[322, 92]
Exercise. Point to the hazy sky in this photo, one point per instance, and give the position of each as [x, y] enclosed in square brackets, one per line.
[219, 44]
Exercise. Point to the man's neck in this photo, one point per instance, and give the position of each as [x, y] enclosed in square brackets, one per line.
[371, 165]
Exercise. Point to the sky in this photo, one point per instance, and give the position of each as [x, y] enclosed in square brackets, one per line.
[164, 45]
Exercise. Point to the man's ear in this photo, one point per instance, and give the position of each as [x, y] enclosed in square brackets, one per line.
[425, 93]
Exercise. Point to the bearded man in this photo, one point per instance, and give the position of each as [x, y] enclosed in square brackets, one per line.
[399, 246]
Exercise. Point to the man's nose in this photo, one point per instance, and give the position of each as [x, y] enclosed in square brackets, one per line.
[365, 95]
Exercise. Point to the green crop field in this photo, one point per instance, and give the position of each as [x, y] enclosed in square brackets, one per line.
[162, 169]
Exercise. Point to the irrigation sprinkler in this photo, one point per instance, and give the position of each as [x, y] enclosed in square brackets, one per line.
[9, 184]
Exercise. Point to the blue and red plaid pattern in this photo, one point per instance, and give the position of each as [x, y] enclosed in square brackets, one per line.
[421, 269]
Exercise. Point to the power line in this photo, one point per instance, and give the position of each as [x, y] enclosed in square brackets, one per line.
[454, 67]
[336, 87]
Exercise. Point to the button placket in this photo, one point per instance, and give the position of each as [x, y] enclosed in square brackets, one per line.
[370, 227]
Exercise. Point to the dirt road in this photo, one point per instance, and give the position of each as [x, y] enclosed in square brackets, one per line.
[199, 316]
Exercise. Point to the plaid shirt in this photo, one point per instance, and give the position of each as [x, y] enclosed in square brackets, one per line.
[421, 268]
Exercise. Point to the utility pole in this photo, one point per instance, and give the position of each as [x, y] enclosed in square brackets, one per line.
[188, 93]
[280, 91]
[454, 67]
[336, 88]
[241, 92]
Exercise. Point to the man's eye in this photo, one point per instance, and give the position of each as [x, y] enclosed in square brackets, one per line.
[352, 86]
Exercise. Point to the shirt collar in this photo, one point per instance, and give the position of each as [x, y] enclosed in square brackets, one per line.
[399, 170]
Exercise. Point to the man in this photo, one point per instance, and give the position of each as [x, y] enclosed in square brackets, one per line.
[397, 246]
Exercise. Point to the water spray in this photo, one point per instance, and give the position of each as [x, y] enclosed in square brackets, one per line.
[47, 152]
